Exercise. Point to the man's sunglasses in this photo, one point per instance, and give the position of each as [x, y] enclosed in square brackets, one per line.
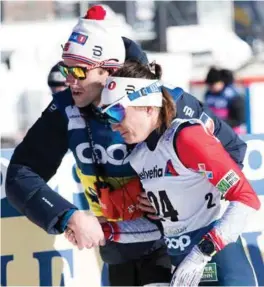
[79, 72]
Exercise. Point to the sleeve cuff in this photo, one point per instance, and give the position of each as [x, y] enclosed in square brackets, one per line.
[65, 219]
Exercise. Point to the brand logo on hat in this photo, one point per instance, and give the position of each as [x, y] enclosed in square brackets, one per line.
[130, 89]
[97, 51]
[112, 85]
[78, 38]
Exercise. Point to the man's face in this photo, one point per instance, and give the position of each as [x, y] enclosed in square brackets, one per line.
[87, 91]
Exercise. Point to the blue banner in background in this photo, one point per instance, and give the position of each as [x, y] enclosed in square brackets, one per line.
[254, 161]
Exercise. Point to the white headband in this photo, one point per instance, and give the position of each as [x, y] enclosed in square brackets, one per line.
[135, 91]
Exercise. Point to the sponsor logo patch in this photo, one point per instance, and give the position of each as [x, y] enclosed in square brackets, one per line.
[78, 38]
[210, 273]
[202, 170]
[169, 169]
[208, 123]
[227, 181]
[111, 85]
[152, 173]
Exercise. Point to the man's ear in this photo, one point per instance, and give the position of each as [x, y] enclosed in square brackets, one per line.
[103, 71]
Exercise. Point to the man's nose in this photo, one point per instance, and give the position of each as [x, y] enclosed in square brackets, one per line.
[115, 127]
[70, 80]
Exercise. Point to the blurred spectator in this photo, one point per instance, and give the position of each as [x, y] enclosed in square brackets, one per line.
[224, 100]
[56, 81]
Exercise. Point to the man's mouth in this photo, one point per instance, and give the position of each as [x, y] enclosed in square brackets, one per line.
[124, 133]
[76, 93]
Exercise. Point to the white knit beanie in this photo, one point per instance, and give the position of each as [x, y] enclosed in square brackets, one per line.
[92, 41]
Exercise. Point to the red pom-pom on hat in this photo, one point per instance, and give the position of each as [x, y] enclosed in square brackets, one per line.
[95, 13]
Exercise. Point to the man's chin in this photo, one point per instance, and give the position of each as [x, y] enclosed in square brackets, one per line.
[82, 104]
[128, 139]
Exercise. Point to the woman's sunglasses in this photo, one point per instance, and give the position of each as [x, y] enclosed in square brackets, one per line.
[116, 112]
[79, 72]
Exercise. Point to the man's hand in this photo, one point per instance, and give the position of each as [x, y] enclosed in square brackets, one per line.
[87, 231]
[69, 235]
[190, 271]
[146, 206]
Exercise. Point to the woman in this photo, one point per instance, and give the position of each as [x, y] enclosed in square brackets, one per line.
[185, 171]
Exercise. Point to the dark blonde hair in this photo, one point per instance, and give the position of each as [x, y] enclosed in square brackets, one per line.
[133, 69]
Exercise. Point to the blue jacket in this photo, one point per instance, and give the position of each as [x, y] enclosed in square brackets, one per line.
[227, 105]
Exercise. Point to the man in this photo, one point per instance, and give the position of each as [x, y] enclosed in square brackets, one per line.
[37, 158]
[100, 155]
[56, 81]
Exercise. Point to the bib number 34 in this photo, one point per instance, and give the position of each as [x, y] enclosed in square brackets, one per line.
[163, 204]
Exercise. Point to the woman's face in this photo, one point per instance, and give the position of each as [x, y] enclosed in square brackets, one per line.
[137, 124]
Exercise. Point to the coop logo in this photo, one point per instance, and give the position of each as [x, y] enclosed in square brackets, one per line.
[106, 155]
[151, 173]
[182, 242]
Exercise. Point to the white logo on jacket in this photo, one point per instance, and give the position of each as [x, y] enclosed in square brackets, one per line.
[106, 155]
[188, 111]
[182, 242]
[75, 119]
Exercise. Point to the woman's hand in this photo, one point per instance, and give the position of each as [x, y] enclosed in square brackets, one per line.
[190, 271]
[145, 205]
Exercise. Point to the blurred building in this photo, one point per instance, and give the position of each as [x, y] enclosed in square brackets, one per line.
[17, 11]
[185, 37]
